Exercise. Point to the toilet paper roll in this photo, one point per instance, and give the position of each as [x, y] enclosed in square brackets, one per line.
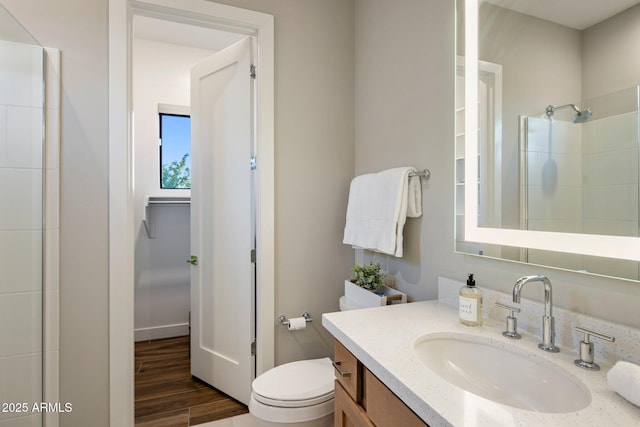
[297, 323]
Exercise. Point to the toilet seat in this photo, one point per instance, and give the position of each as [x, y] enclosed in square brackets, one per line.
[292, 403]
[296, 384]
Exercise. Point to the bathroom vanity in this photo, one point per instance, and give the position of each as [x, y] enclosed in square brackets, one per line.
[363, 400]
[379, 351]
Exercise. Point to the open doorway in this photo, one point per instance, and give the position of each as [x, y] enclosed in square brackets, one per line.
[121, 183]
[163, 54]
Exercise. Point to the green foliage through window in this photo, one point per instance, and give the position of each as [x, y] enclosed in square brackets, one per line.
[177, 174]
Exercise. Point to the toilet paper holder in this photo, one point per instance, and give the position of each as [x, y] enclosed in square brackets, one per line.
[285, 322]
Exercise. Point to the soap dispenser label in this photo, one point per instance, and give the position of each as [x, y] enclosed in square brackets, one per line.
[468, 308]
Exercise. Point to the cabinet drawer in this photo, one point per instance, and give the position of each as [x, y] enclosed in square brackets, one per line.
[347, 371]
[348, 413]
[384, 408]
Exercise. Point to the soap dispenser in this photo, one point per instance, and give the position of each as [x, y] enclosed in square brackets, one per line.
[470, 304]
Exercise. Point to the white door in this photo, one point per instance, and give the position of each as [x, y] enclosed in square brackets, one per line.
[222, 233]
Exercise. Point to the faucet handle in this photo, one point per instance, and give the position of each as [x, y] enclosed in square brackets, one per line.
[512, 322]
[586, 348]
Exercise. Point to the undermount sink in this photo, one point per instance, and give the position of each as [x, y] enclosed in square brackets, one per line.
[502, 373]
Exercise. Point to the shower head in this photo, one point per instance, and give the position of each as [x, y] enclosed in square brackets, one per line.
[580, 117]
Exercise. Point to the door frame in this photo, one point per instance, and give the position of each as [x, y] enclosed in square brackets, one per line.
[121, 226]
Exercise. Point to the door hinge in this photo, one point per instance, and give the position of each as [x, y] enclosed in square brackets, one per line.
[252, 71]
[253, 348]
[253, 256]
[253, 163]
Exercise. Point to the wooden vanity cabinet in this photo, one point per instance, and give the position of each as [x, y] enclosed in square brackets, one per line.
[362, 400]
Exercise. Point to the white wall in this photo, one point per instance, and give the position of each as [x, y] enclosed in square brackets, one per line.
[404, 103]
[161, 74]
[613, 41]
[12, 31]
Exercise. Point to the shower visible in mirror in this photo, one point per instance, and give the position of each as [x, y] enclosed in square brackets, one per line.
[558, 166]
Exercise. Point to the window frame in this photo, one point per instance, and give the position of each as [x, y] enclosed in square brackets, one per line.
[169, 110]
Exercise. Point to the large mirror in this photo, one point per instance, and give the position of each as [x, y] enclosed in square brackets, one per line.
[547, 106]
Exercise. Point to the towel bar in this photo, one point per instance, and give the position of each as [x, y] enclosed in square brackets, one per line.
[422, 174]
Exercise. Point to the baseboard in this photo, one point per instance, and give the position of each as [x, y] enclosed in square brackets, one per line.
[159, 332]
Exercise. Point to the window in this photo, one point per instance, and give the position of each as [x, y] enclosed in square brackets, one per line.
[175, 151]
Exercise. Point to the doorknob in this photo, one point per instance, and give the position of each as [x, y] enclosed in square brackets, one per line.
[193, 260]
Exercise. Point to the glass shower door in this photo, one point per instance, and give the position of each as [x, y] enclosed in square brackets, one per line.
[21, 232]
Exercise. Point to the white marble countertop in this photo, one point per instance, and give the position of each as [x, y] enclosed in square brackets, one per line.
[383, 339]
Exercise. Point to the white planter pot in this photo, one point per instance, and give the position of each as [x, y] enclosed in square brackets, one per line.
[366, 298]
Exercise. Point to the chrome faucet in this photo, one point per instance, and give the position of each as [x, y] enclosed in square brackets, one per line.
[548, 329]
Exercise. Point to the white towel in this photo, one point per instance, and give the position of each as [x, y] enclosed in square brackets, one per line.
[624, 379]
[414, 197]
[379, 204]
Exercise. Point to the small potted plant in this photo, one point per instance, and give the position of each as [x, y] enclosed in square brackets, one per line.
[368, 276]
[367, 288]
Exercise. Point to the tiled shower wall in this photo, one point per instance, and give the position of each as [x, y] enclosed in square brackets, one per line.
[21, 228]
[585, 177]
[610, 161]
[26, 233]
[554, 190]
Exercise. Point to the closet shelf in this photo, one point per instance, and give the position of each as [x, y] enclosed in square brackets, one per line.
[151, 201]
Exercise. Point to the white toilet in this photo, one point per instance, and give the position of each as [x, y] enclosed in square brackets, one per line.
[296, 394]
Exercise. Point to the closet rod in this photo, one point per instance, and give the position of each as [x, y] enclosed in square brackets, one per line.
[169, 202]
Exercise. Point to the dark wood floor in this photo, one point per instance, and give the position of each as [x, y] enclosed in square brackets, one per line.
[167, 395]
